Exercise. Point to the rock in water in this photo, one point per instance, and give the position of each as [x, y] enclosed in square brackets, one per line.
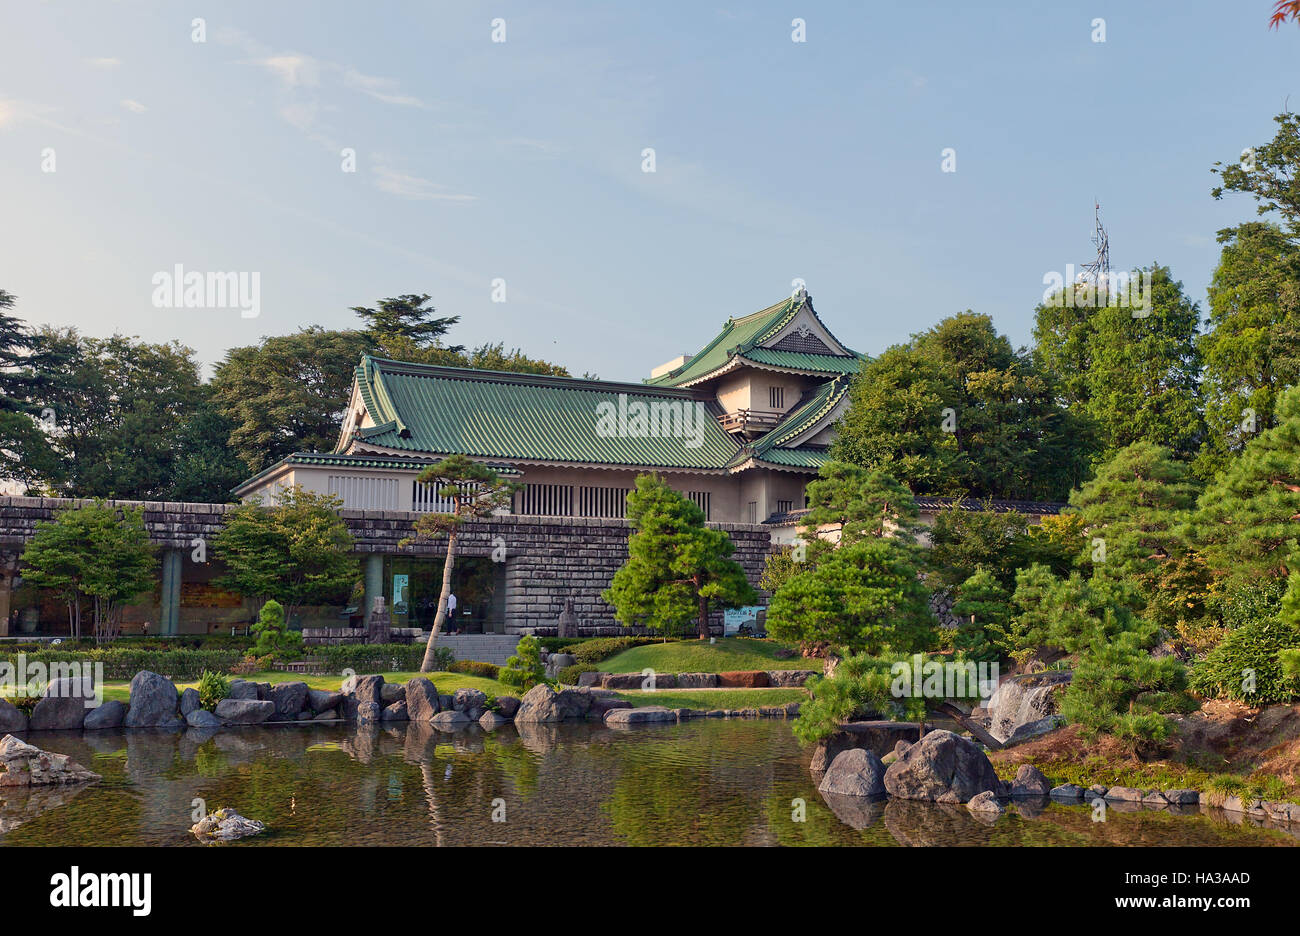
[941, 767]
[153, 702]
[244, 711]
[543, 704]
[226, 825]
[421, 699]
[855, 772]
[1030, 782]
[11, 718]
[63, 705]
[109, 715]
[23, 764]
[985, 802]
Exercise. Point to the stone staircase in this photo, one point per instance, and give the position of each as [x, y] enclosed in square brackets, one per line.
[485, 648]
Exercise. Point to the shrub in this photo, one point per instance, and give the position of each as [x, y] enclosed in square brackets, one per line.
[1109, 677]
[559, 644]
[371, 658]
[24, 703]
[273, 638]
[1246, 664]
[569, 674]
[443, 658]
[475, 668]
[525, 669]
[213, 687]
[602, 648]
[122, 662]
[861, 685]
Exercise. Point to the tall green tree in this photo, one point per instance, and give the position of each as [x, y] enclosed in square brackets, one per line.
[958, 410]
[96, 559]
[407, 318]
[296, 550]
[1247, 522]
[677, 568]
[1252, 348]
[474, 490]
[25, 453]
[848, 501]
[1269, 173]
[1127, 373]
[204, 466]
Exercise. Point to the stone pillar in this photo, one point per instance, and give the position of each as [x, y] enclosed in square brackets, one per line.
[374, 583]
[169, 617]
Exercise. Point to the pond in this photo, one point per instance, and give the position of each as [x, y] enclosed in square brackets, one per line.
[706, 782]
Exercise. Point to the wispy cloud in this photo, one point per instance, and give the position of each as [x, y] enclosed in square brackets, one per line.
[133, 106]
[405, 185]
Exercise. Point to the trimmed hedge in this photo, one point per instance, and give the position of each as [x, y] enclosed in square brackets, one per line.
[602, 648]
[370, 658]
[475, 668]
[569, 674]
[124, 663]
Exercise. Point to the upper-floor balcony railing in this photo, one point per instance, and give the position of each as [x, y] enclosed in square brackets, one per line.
[749, 420]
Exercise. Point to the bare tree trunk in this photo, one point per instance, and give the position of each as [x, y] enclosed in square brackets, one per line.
[441, 617]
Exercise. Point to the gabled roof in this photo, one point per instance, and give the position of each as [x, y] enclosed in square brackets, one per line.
[494, 414]
[781, 447]
[338, 460]
[743, 338]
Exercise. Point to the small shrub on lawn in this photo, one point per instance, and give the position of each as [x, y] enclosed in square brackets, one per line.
[525, 669]
[475, 668]
[569, 674]
[213, 687]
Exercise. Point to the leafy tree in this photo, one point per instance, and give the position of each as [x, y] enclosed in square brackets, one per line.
[475, 491]
[855, 502]
[864, 596]
[781, 565]
[407, 318]
[95, 558]
[964, 541]
[984, 607]
[288, 393]
[1252, 348]
[1110, 678]
[862, 685]
[297, 548]
[1074, 613]
[271, 633]
[204, 467]
[957, 410]
[1129, 377]
[489, 356]
[1269, 173]
[1245, 524]
[1054, 541]
[524, 669]
[676, 566]
[25, 454]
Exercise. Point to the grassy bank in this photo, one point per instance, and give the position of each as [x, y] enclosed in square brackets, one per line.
[700, 656]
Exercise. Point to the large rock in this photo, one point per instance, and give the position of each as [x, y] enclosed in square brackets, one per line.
[491, 721]
[507, 705]
[468, 701]
[202, 718]
[189, 701]
[629, 681]
[390, 693]
[322, 700]
[242, 689]
[639, 716]
[855, 772]
[1020, 700]
[11, 718]
[743, 679]
[290, 698]
[153, 702]
[941, 767]
[788, 678]
[368, 713]
[23, 764]
[880, 737]
[1030, 782]
[63, 705]
[109, 715]
[450, 720]
[395, 712]
[244, 711]
[543, 704]
[421, 699]
[697, 680]
[365, 688]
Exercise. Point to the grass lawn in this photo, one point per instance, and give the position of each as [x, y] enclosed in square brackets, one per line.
[714, 698]
[700, 656]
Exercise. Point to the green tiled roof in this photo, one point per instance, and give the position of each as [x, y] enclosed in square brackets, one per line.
[338, 460]
[741, 337]
[805, 415]
[492, 414]
[796, 458]
[803, 361]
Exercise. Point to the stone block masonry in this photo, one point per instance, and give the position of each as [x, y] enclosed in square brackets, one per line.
[547, 559]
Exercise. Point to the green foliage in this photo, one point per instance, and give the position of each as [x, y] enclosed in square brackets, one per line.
[864, 596]
[272, 635]
[593, 651]
[1274, 180]
[1128, 377]
[443, 658]
[1244, 523]
[121, 661]
[852, 502]
[984, 607]
[370, 658]
[779, 567]
[677, 568]
[524, 669]
[569, 675]
[1011, 439]
[213, 687]
[1247, 665]
[1075, 613]
[298, 549]
[1109, 676]
[862, 686]
[476, 668]
[92, 556]
[964, 541]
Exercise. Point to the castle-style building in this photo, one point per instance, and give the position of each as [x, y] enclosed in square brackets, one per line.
[739, 427]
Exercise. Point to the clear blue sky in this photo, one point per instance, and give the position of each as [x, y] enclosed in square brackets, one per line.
[522, 160]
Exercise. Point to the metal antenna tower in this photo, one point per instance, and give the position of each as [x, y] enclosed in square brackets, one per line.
[1098, 271]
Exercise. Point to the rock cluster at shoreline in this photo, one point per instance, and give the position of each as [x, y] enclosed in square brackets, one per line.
[23, 765]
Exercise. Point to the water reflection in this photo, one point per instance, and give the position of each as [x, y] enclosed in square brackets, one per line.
[707, 782]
